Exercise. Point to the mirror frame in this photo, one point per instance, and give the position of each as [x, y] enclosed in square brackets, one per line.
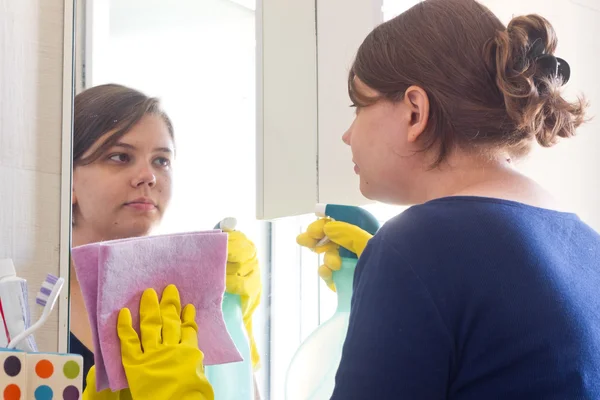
[68, 95]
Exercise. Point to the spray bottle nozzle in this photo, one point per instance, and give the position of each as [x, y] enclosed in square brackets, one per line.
[353, 215]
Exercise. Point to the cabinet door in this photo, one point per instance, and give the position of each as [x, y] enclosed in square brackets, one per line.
[304, 51]
[286, 60]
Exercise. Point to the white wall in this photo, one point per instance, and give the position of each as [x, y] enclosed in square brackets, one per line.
[31, 70]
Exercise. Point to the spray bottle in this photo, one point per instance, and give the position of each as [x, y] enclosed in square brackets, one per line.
[311, 375]
[233, 381]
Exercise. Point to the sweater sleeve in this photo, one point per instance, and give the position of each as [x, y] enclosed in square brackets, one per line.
[397, 346]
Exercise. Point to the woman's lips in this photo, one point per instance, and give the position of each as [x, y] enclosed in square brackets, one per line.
[142, 206]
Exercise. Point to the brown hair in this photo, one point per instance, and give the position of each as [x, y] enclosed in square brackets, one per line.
[106, 108]
[485, 87]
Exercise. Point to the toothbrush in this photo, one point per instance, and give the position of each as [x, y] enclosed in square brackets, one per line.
[46, 290]
[3, 325]
[46, 297]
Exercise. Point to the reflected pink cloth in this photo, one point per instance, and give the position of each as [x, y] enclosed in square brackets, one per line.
[114, 274]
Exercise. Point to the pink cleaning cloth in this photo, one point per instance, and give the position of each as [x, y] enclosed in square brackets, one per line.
[113, 275]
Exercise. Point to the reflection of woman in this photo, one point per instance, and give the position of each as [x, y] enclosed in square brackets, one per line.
[122, 158]
[483, 290]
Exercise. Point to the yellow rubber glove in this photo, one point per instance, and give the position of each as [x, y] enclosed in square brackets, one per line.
[90, 390]
[166, 363]
[243, 279]
[349, 236]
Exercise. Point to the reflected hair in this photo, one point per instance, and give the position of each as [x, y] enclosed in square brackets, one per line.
[109, 108]
[486, 85]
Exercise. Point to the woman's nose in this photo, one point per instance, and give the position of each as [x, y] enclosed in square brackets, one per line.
[145, 176]
[346, 136]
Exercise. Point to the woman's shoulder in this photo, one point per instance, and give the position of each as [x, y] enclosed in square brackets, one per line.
[466, 215]
[457, 245]
[467, 230]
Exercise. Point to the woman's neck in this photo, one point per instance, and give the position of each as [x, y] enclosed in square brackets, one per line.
[82, 236]
[497, 178]
[79, 322]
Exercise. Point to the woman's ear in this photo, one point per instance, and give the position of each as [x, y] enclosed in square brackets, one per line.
[417, 101]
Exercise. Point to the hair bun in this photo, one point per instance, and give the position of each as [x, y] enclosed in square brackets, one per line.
[530, 78]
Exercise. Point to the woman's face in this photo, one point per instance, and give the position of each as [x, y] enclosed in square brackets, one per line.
[125, 192]
[383, 138]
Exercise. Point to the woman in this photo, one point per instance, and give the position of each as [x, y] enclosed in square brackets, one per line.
[122, 172]
[483, 289]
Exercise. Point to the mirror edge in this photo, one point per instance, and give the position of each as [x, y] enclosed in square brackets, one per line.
[68, 95]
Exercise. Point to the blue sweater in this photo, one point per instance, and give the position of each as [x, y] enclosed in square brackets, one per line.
[473, 298]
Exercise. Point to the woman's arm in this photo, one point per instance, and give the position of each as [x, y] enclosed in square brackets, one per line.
[397, 345]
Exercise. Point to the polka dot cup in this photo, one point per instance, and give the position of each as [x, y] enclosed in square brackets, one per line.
[40, 376]
[13, 375]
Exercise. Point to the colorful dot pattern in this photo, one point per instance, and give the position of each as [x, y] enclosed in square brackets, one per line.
[12, 392]
[49, 377]
[44, 369]
[71, 370]
[13, 375]
[71, 393]
[43, 392]
[12, 366]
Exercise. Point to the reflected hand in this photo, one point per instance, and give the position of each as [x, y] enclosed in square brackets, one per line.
[90, 391]
[164, 362]
[243, 279]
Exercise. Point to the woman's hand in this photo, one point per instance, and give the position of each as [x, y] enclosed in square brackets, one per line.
[343, 234]
[90, 391]
[243, 279]
[164, 362]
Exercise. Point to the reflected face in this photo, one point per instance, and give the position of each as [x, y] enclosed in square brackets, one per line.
[126, 191]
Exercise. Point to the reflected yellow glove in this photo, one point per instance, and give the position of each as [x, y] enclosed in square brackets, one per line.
[90, 390]
[243, 279]
[343, 234]
[166, 363]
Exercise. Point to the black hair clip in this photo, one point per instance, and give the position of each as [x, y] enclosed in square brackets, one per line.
[550, 65]
[554, 66]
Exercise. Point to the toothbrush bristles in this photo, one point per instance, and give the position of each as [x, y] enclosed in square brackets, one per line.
[46, 290]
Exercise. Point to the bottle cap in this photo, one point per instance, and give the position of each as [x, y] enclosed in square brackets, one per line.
[320, 210]
[7, 268]
[228, 224]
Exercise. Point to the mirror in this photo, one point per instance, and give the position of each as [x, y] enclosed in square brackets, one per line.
[198, 147]
[170, 86]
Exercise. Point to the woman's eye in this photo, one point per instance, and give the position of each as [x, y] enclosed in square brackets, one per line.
[163, 162]
[120, 158]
